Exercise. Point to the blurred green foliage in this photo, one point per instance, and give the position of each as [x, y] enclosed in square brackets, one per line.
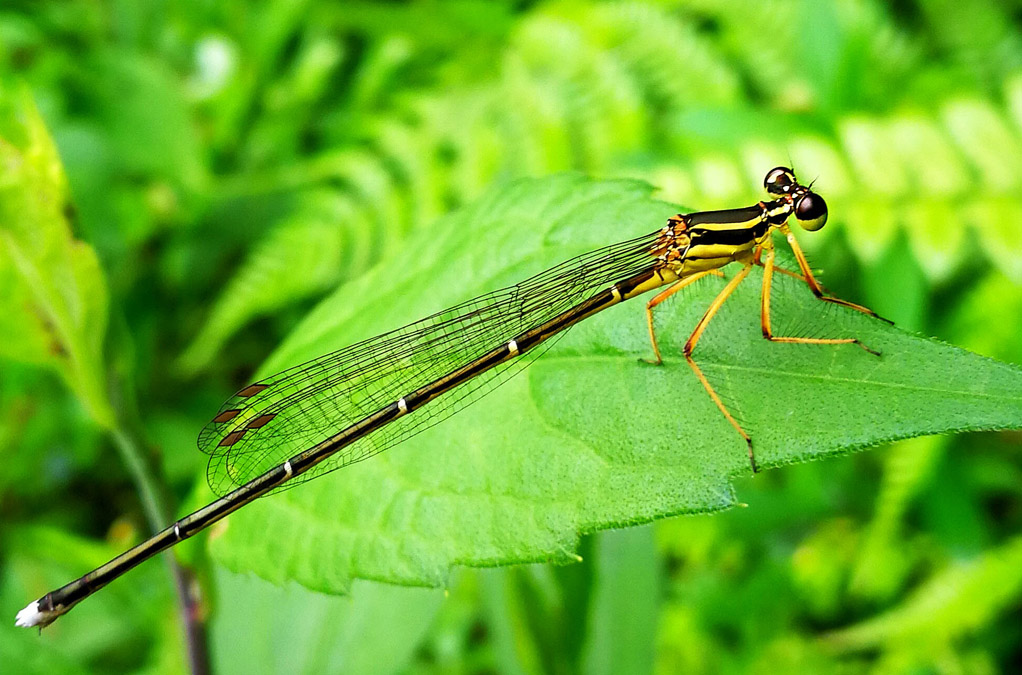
[212, 150]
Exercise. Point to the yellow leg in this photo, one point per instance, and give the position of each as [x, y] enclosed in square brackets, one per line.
[768, 269]
[781, 270]
[690, 346]
[663, 295]
[814, 285]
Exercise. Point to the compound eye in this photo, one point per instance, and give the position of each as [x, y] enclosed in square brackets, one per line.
[779, 181]
[811, 211]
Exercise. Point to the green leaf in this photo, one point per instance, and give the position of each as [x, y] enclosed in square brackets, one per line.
[623, 616]
[591, 437]
[26, 337]
[376, 630]
[504, 608]
[145, 117]
[59, 279]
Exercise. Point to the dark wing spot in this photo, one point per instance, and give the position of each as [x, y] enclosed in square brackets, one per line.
[252, 390]
[232, 438]
[260, 421]
[226, 416]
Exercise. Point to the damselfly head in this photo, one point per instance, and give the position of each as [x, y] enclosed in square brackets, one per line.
[780, 181]
[810, 210]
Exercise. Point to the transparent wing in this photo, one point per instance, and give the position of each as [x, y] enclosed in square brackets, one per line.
[282, 415]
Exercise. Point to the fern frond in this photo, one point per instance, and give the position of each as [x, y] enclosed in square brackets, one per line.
[948, 606]
[303, 255]
[881, 564]
[941, 177]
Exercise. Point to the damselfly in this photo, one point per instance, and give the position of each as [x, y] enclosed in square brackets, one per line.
[354, 403]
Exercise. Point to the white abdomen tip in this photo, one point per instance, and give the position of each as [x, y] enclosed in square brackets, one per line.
[33, 615]
[30, 616]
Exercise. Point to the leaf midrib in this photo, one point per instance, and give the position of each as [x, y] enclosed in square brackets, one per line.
[791, 374]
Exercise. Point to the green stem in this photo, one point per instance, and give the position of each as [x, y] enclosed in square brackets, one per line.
[153, 502]
[158, 514]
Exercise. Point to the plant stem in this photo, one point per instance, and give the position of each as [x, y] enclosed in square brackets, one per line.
[154, 503]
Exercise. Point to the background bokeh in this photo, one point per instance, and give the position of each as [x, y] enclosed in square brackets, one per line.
[214, 148]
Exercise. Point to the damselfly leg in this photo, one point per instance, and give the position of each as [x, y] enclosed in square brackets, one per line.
[764, 257]
[660, 297]
[690, 346]
[814, 285]
[768, 269]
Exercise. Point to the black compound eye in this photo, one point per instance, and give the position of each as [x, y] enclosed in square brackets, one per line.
[811, 211]
[780, 180]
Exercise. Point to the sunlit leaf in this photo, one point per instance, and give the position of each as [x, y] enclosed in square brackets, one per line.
[59, 278]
